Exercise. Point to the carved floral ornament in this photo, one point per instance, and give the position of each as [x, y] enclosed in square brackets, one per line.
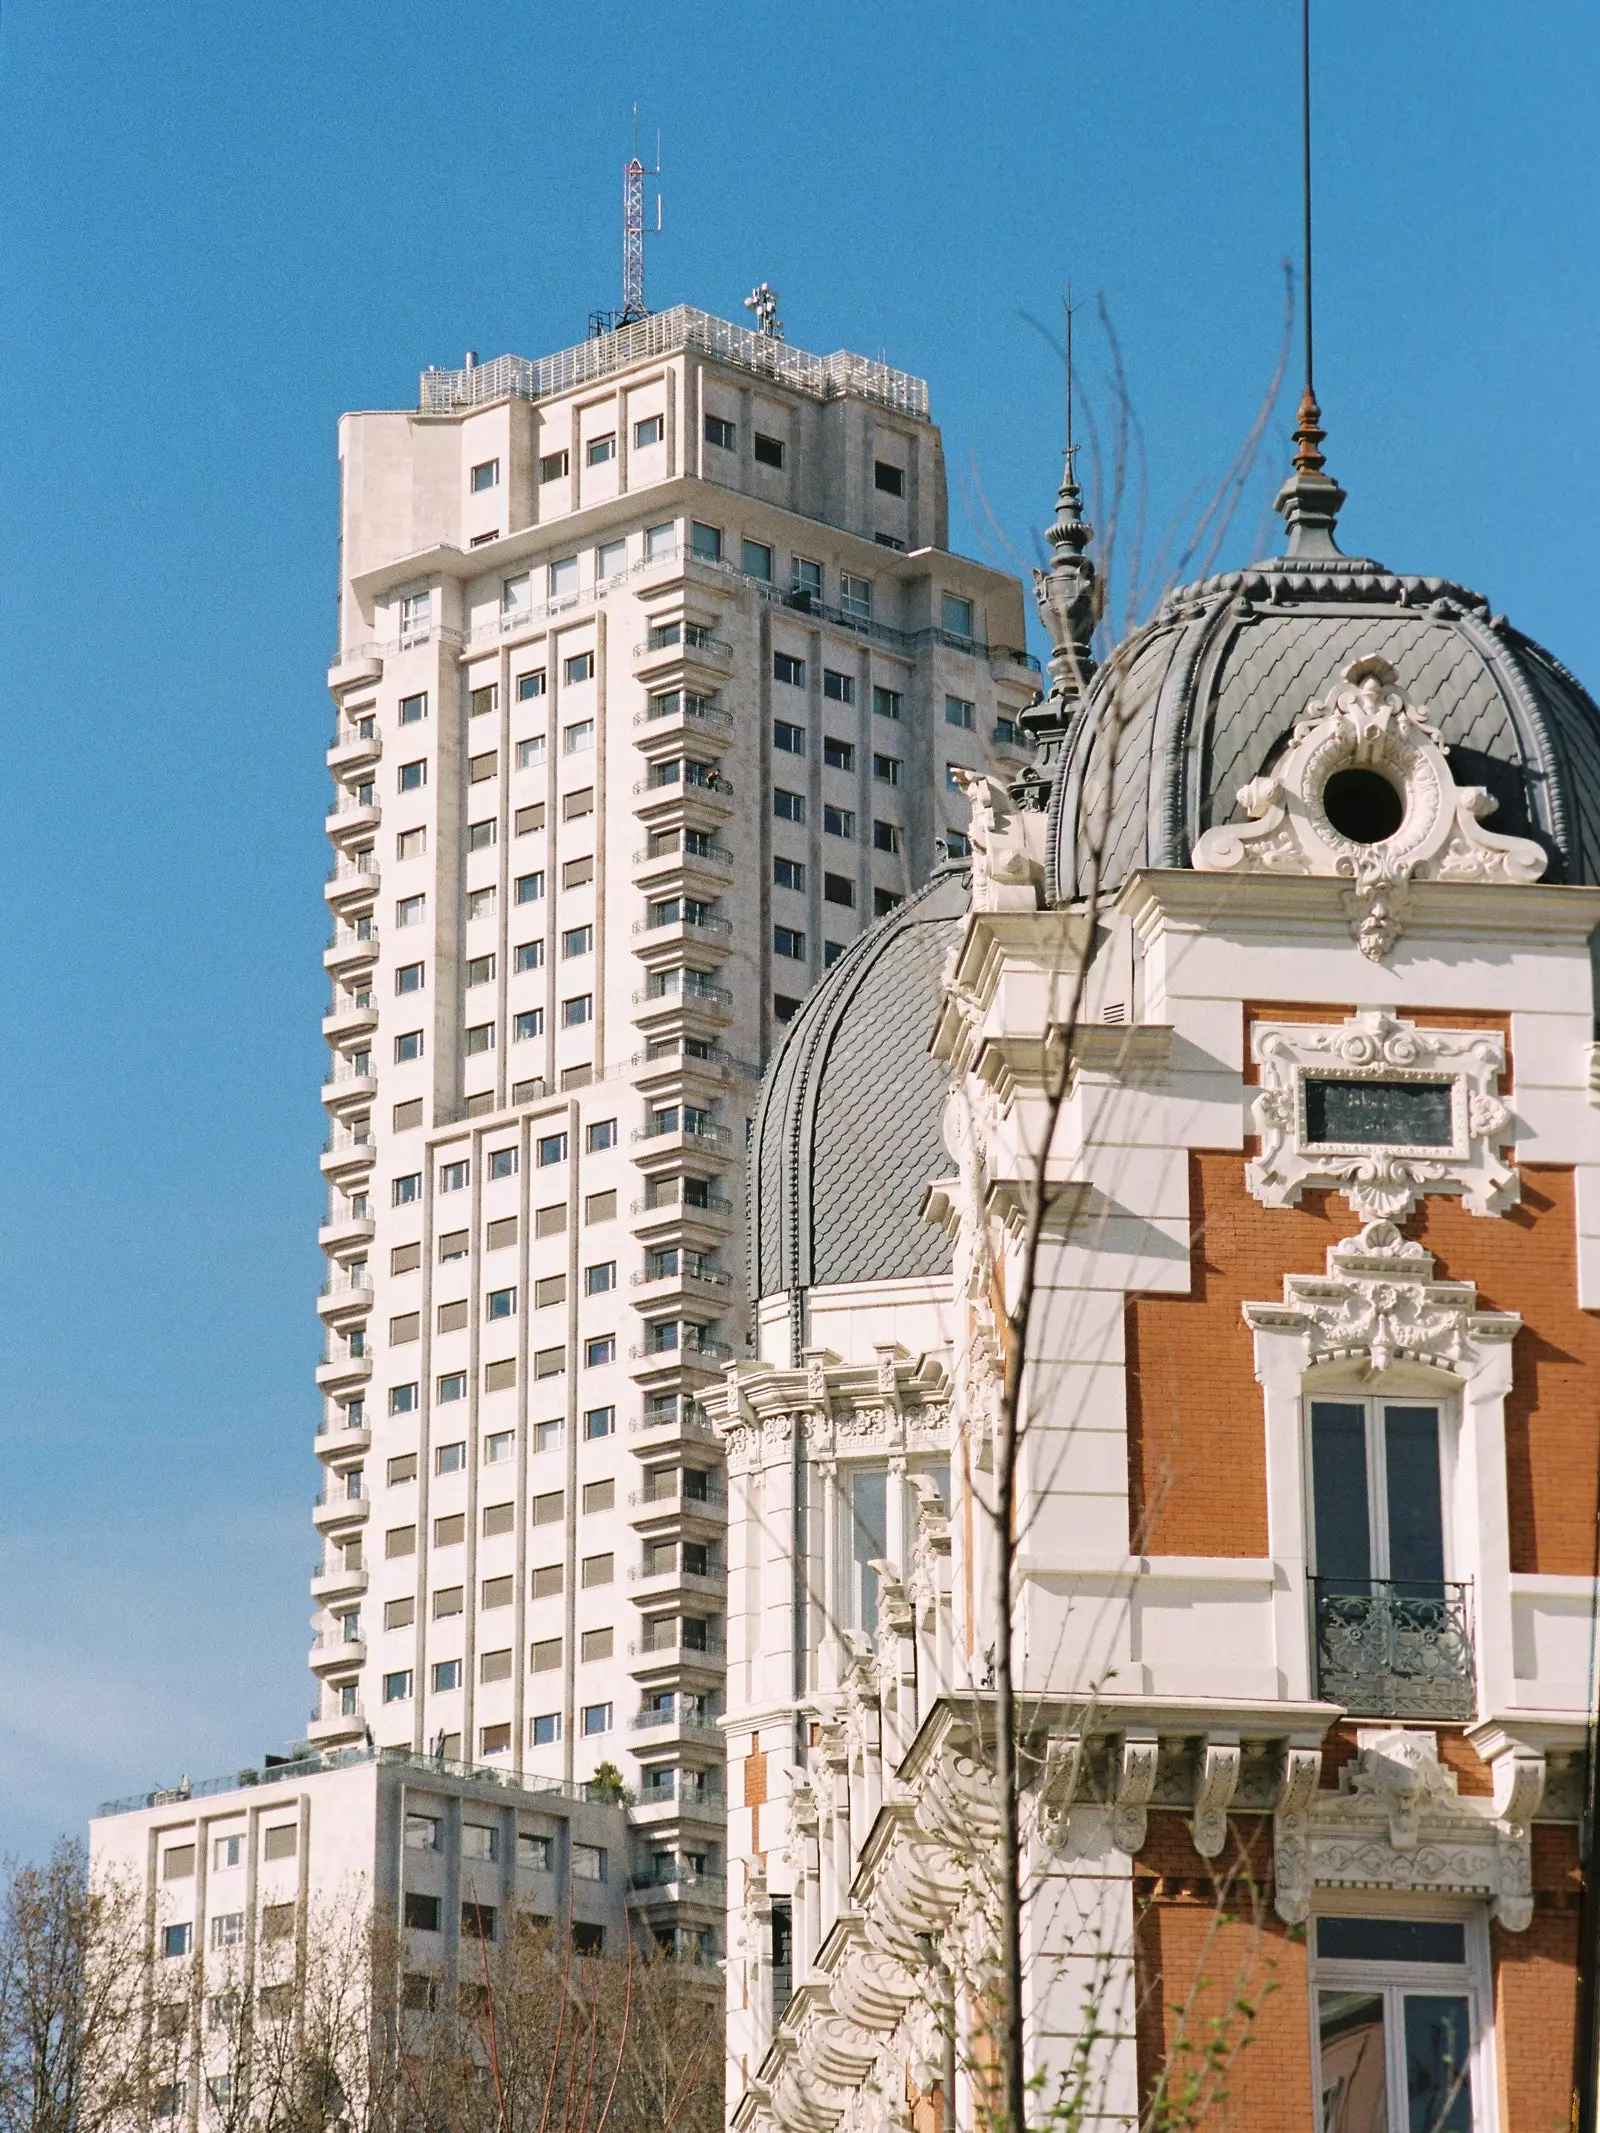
[1382, 1111]
[1364, 793]
[1379, 1304]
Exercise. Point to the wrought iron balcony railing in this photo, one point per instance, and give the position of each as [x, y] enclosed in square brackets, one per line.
[1388, 1648]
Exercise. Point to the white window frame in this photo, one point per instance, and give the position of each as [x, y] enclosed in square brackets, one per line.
[1374, 1398]
[1475, 1978]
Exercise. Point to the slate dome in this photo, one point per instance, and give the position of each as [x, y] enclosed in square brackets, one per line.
[847, 1131]
[1204, 697]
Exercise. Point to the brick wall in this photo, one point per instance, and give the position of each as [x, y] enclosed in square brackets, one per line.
[1196, 1444]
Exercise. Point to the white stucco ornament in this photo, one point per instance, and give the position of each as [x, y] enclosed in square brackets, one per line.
[1364, 793]
[1381, 1110]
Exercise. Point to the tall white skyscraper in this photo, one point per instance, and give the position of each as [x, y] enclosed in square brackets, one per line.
[654, 670]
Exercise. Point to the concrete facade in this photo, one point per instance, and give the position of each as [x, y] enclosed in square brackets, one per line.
[654, 680]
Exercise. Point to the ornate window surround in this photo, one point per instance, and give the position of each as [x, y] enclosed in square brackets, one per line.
[1378, 1322]
[1381, 1180]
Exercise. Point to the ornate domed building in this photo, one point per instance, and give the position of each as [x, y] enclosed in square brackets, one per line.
[1234, 1105]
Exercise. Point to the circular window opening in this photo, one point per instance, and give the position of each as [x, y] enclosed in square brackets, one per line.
[1363, 806]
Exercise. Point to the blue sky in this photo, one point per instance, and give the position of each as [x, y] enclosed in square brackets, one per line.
[220, 227]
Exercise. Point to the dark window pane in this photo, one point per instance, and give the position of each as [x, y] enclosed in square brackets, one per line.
[1363, 1114]
[1438, 2064]
[1339, 1491]
[1416, 1519]
[1354, 2076]
[1392, 1940]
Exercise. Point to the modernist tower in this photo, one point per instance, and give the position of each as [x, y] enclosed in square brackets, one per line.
[655, 677]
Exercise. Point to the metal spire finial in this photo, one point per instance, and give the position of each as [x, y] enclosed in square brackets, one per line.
[1310, 499]
[1068, 592]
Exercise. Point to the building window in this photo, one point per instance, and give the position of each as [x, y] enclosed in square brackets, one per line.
[648, 431]
[588, 1862]
[529, 686]
[413, 709]
[402, 1399]
[869, 1543]
[413, 776]
[409, 909]
[529, 1023]
[599, 1351]
[416, 617]
[601, 1278]
[411, 844]
[580, 667]
[706, 541]
[499, 1448]
[528, 955]
[788, 806]
[768, 450]
[421, 1912]
[958, 712]
[886, 702]
[424, 1833]
[480, 970]
[599, 1422]
[1399, 2024]
[397, 1686]
[661, 542]
[480, 835]
[454, 1177]
[953, 774]
[408, 1188]
[596, 1718]
[888, 478]
[790, 739]
[408, 1046]
[806, 579]
[408, 978]
[786, 941]
[529, 889]
[886, 769]
[601, 1134]
[722, 434]
[502, 1162]
[578, 1010]
[839, 889]
[885, 837]
[446, 1676]
[546, 1729]
[755, 559]
[955, 617]
[788, 874]
[553, 466]
[480, 903]
[838, 688]
[577, 940]
[1007, 733]
[600, 450]
[486, 475]
[229, 1851]
[855, 598]
[958, 844]
[839, 755]
[453, 1386]
[550, 1148]
[610, 561]
[884, 901]
[786, 668]
[177, 1940]
[784, 1007]
[501, 1303]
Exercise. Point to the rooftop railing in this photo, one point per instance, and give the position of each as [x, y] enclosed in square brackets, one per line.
[830, 377]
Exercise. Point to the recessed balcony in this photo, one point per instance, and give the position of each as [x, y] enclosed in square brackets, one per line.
[702, 1805]
[680, 1418]
[336, 1580]
[671, 1068]
[659, 1661]
[700, 872]
[669, 1507]
[675, 1588]
[684, 1285]
[657, 1145]
[686, 1010]
[686, 1894]
[1392, 1649]
[343, 1373]
[660, 940]
[686, 1222]
[672, 715]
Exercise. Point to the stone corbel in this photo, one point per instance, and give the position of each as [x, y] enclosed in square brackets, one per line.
[1135, 1782]
[1291, 1835]
[1058, 1788]
[1219, 1780]
[1519, 1779]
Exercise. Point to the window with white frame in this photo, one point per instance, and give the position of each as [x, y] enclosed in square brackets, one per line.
[1400, 2024]
[868, 1501]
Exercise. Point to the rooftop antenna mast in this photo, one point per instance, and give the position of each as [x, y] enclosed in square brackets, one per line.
[1310, 499]
[633, 177]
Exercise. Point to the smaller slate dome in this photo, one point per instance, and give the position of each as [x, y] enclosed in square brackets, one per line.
[847, 1133]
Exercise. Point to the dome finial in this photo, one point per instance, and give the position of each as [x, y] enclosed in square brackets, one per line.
[1068, 592]
[1310, 499]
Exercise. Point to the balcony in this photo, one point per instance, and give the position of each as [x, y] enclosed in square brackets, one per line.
[667, 718]
[348, 949]
[350, 880]
[345, 1088]
[676, 1588]
[345, 1294]
[343, 1152]
[334, 1507]
[343, 1373]
[1390, 1649]
[328, 1732]
[713, 798]
[336, 1580]
[685, 1418]
[361, 664]
[658, 939]
[704, 1284]
[354, 1016]
[684, 1008]
[662, 1501]
[691, 1803]
[677, 869]
[338, 1439]
[694, 652]
[656, 1653]
[671, 1220]
[330, 1654]
[341, 1231]
[654, 1143]
[348, 814]
[351, 749]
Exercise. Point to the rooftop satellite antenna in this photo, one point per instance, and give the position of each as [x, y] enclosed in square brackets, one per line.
[634, 174]
[763, 301]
